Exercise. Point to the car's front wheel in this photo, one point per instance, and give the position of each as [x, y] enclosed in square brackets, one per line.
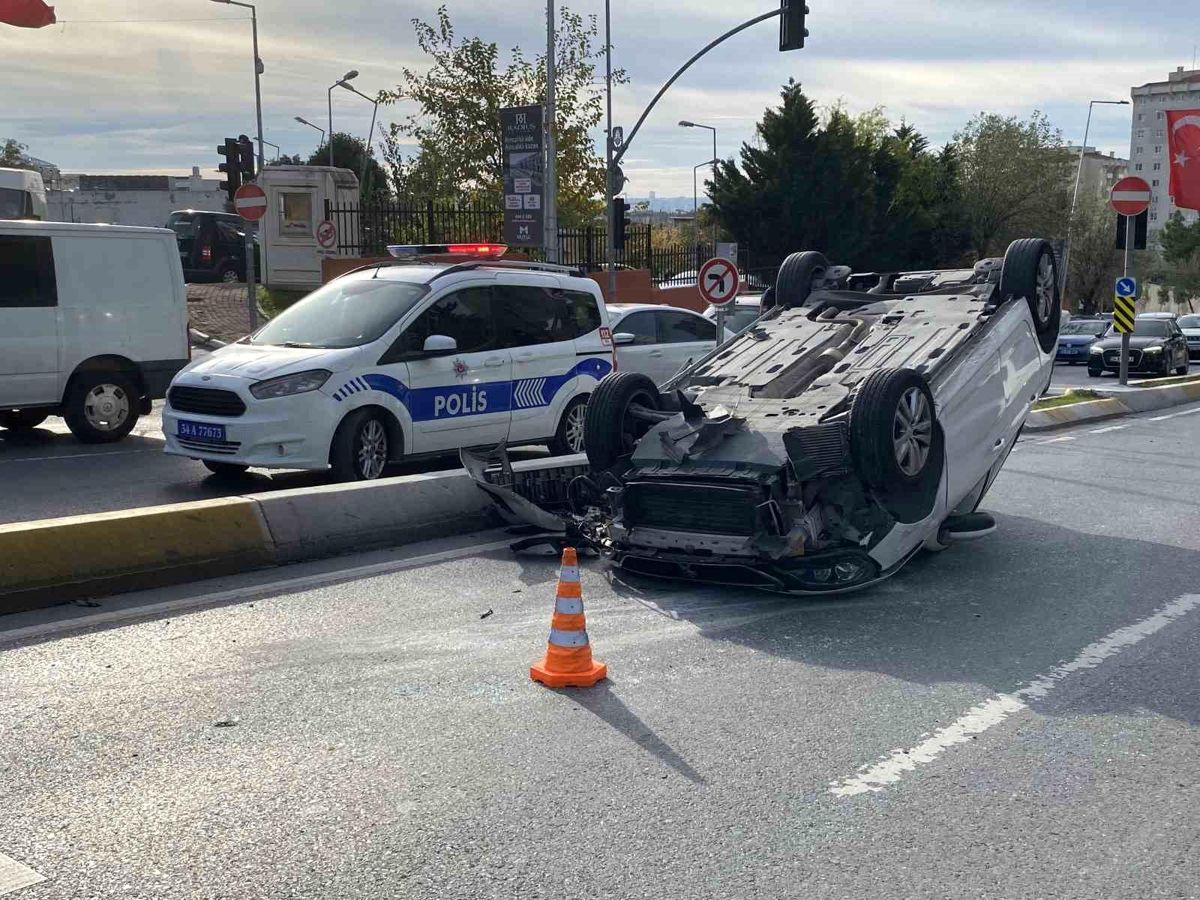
[616, 417]
[1183, 370]
[22, 419]
[360, 449]
[1095, 371]
[571, 429]
[892, 428]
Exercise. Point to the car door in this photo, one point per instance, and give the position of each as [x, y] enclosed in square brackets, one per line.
[460, 398]
[536, 325]
[684, 337]
[644, 354]
[29, 325]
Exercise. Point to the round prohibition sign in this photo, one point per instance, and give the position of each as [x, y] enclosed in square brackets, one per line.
[718, 281]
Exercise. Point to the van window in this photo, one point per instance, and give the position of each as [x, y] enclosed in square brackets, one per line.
[464, 315]
[348, 312]
[27, 272]
[530, 316]
[582, 311]
[14, 204]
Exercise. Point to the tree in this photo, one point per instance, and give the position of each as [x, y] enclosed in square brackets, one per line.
[457, 130]
[1179, 243]
[12, 156]
[1015, 180]
[295, 160]
[1095, 264]
[348, 153]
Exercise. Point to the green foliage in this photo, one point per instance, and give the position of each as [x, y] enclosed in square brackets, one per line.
[348, 153]
[457, 130]
[1179, 242]
[1095, 263]
[12, 156]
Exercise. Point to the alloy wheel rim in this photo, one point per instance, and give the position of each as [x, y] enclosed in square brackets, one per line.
[372, 450]
[106, 407]
[1045, 289]
[912, 432]
[229, 277]
[574, 429]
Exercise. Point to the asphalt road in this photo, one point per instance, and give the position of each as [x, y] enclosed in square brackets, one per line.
[1068, 376]
[1019, 717]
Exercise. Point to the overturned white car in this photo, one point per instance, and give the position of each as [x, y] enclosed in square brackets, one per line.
[863, 417]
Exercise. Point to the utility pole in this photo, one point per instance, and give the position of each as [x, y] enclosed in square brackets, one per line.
[551, 188]
[610, 248]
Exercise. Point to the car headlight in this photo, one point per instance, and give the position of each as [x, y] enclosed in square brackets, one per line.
[1154, 350]
[1097, 349]
[287, 385]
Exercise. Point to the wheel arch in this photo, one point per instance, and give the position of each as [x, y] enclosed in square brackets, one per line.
[397, 439]
[109, 362]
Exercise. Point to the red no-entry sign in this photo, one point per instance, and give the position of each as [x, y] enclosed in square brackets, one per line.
[1130, 196]
[251, 202]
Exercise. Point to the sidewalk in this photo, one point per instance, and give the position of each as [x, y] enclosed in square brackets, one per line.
[219, 310]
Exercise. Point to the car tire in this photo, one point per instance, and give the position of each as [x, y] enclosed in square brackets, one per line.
[609, 431]
[1094, 372]
[101, 407]
[572, 428]
[224, 469]
[228, 274]
[1183, 370]
[893, 428]
[1030, 271]
[360, 449]
[22, 419]
[795, 280]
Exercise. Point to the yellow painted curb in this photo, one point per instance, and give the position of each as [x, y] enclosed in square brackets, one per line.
[55, 552]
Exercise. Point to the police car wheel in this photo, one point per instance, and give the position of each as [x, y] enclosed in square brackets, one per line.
[569, 437]
[360, 449]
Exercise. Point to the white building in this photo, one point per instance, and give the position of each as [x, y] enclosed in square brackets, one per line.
[1148, 147]
[130, 199]
[1100, 172]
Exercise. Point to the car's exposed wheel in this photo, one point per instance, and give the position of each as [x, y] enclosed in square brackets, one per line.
[224, 469]
[892, 428]
[796, 276]
[1031, 271]
[101, 407]
[228, 274]
[612, 425]
[571, 428]
[1095, 371]
[22, 419]
[360, 447]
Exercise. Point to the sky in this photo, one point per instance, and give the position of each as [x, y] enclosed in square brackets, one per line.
[103, 93]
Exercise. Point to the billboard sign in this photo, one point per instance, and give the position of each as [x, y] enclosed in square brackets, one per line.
[524, 175]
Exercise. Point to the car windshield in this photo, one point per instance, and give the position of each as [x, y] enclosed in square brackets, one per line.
[1087, 326]
[1189, 322]
[348, 312]
[1146, 328]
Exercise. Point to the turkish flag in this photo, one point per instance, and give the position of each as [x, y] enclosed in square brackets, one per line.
[1183, 144]
[26, 13]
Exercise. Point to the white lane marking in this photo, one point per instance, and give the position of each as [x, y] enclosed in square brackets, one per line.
[267, 589]
[891, 768]
[21, 459]
[1109, 428]
[1186, 412]
[1059, 440]
[15, 875]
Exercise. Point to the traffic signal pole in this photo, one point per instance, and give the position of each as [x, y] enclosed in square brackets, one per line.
[610, 244]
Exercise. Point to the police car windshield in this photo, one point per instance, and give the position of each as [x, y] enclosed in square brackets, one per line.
[348, 312]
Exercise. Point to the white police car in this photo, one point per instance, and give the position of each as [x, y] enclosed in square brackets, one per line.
[396, 360]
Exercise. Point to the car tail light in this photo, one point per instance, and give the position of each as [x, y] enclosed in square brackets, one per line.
[206, 253]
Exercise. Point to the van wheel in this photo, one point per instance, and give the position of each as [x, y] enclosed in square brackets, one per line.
[22, 419]
[569, 437]
[359, 451]
[101, 407]
[612, 426]
[224, 469]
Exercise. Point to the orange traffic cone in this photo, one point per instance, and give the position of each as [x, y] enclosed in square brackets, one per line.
[568, 661]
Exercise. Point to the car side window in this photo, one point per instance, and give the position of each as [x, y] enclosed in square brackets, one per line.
[227, 232]
[529, 316]
[27, 277]
[680, 328]
[641, 326]
[464, 315]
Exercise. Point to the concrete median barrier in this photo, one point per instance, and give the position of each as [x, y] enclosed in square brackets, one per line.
[1114, 403]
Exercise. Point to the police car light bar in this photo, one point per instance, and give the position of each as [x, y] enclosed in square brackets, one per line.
[492, 251]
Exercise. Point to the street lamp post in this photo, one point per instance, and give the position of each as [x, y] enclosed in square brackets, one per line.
[258, 70]
[1078, 177]
[304, 121]
[341, 82]
[686, 124]
[276, 146]
[362, 180]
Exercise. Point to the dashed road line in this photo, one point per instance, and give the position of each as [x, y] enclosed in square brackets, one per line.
[22, 459]
[15, 875]
[891, 768]
[1059, 440]
[1111, 428]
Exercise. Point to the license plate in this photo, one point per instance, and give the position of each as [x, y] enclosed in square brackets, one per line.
[198, 431]
[1068, 351]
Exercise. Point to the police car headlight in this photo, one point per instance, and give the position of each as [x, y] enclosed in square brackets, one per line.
[287, 385]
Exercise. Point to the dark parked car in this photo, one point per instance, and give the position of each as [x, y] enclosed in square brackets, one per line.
[1156, 347]
[1076, 337]
[212, 245]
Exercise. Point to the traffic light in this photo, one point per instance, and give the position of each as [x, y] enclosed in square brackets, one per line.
[620, 223]
[246, 157]
[791, 24]
[232, 167]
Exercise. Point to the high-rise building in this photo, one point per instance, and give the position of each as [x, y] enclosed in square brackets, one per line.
[1099, 172]
[1148, 145]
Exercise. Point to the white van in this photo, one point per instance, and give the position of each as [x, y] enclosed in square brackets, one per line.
[396, 360]
[22, 194]
[93, 325]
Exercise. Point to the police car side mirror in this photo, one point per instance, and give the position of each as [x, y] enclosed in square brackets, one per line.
[439, 345]
[624, 337]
